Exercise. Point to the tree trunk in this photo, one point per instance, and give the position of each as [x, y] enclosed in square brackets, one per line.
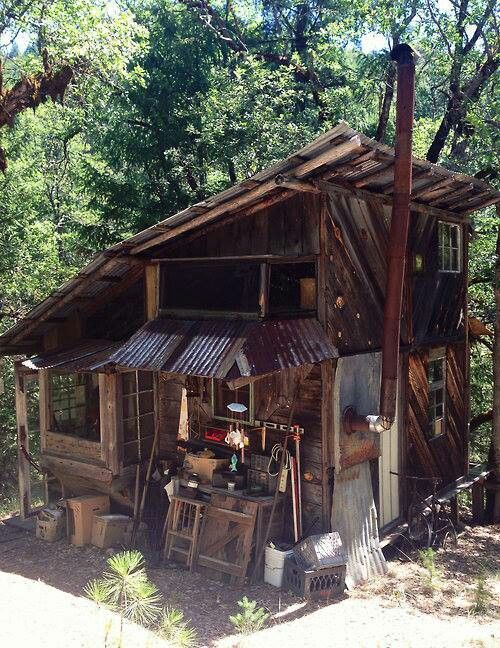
[495, 428]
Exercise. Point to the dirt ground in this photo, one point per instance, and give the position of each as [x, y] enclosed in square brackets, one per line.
[42, 602]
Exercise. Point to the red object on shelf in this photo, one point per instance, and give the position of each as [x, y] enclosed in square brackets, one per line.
[216, 435]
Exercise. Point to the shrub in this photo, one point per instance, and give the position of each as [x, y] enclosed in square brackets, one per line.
[173, 628]
[482, 595]
[428, 560]
[251, 618]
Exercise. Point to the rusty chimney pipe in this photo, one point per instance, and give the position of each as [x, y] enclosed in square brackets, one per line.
[405, 58]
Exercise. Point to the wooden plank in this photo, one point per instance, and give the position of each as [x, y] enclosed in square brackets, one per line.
[151, 288]
[110, 418]
[328, 157]
[23, 466]
[66, 444]
[44, 391]
[77, 468]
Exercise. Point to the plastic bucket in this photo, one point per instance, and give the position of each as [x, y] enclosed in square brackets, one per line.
[274, 565]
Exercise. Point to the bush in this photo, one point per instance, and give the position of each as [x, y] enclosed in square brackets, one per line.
[173, 628]
[251, 618]
[428, 560]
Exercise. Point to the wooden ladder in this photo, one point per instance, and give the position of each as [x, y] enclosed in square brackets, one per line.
[182, 529]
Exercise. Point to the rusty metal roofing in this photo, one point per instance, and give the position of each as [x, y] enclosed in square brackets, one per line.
[343, 159]
[224, 348]
[87, 356]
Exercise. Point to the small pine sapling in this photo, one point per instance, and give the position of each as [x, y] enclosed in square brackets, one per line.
[251, 618]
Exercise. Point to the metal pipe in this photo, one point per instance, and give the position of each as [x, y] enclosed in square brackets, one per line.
[405, 58]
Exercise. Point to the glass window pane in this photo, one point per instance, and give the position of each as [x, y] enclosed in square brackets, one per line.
[130, 453]
[146, 425]
[130, 430]
[146, 402]
[129, 382]
[129, 406]
[438, 427]
[145, 380]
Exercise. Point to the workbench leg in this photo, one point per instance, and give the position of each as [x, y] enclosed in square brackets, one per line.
[478, 502]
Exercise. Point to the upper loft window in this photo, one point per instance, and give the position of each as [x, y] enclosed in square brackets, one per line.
[292, 288]
[223, 288]
[75, 405]
[436, 375]
[450, 247]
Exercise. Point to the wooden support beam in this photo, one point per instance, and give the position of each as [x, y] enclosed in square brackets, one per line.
[334, 187]
[44, 392]
[110, 420]
[23, 466]
[478, 502]
[289, 182]
[152, 290]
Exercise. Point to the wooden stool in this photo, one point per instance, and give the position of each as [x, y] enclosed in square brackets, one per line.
[182, 529]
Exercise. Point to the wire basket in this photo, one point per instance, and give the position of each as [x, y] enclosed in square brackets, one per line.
[322, 550]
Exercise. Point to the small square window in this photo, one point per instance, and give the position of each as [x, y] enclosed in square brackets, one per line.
[223, 395]
[449, 247]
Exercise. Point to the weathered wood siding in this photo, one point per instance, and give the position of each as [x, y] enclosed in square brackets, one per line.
[437, 297]
[356, 240]
[72, 446]
[442, 456]
[276, 390]
[286, 228]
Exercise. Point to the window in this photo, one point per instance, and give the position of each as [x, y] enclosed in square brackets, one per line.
[218, 287]
[292, 288]
[222, 396]
[75, 405]
[138, 415]
[449, 241]
[437, 384]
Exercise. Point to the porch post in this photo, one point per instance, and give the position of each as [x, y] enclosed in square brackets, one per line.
[110, 421]
[22, 443]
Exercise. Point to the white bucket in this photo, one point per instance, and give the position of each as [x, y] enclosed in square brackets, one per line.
[274, 565]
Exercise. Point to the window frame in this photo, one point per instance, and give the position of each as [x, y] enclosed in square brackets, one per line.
[138, 415]
[262, 309]
[251, 409]
[449, 247]
[436, 355]
[71, 405]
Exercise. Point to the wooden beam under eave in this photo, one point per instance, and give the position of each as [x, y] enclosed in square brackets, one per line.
[110, 420]
[23, 467]
[363, 194]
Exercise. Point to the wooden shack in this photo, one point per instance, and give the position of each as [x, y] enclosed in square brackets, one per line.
[269, 294]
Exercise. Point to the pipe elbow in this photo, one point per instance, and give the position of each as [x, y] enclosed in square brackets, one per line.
[374, 423]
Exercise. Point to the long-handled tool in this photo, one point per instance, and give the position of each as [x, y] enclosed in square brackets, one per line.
[296, 437]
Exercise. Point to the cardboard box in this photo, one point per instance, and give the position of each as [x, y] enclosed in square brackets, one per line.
[80, 516]
[109, 530]
[51, 524]
[204, 467]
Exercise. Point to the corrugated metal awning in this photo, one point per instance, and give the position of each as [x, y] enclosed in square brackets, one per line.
[86, 356]
[224, 348]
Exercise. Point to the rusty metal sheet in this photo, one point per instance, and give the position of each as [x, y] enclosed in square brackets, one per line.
[224, 348]
[86, 356]
[275, 345]
[354, 516]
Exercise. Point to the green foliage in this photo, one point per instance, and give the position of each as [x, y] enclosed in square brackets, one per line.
[176, 630]
[251, 618]
[428, 559]
[482, 595]
[126, 589]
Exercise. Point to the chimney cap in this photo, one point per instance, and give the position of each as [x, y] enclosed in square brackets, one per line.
[404, 54]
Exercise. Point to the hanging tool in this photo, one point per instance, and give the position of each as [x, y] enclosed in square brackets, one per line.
[296, 437]
[294, 500]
